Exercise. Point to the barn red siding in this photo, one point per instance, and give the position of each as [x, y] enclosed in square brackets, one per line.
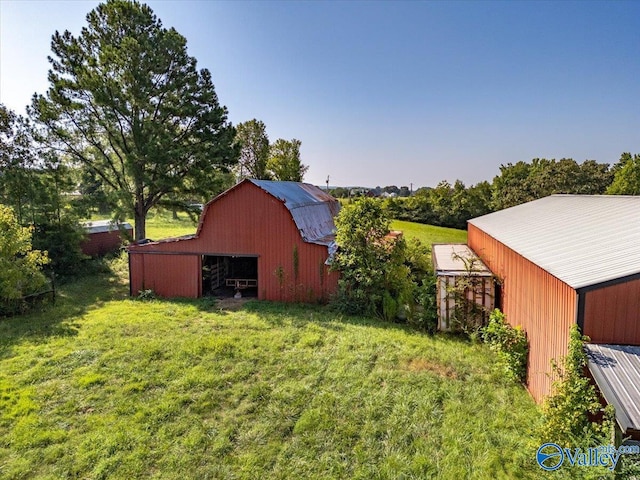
[544, 306]
[612, 314]
[245, 221]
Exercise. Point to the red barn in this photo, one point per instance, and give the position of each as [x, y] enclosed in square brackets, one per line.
[564, 260]
[269, 239]
[103, 236]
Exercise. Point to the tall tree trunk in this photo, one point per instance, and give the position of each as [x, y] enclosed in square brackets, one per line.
[140, 222]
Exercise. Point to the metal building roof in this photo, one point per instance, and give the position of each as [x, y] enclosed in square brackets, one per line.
[455, 259]
[583, 240]
[616, 370]
[102, 226]
[312, 209]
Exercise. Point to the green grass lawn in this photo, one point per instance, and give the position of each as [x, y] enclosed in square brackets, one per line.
[101, 386]
[162, 225]
[429, 234]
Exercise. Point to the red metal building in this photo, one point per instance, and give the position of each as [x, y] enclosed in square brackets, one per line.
[268, 238]
[562, 260]
[104, 237]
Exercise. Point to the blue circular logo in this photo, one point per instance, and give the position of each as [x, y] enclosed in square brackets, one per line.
[550, 457]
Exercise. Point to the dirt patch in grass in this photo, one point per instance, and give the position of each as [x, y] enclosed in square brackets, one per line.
[422, 364]
[231, 304]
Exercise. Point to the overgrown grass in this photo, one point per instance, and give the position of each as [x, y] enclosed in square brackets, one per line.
[429, 234]
[102, 386]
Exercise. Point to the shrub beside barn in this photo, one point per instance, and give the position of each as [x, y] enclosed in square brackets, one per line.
[262, 238]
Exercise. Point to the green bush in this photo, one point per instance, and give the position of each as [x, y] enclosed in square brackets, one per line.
[389, 307]
[426, 317]
[380, 273]
[510, 343]
[61, 238]
[20, 265]
[370, 264]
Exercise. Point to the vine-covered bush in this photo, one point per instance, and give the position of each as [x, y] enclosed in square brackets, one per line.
[380, 274]
[570, 410]
[510, 343]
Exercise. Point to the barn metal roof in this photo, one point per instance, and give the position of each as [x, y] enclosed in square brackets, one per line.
[583, 240]
[312, 209]
[616, 370]
[454, 259]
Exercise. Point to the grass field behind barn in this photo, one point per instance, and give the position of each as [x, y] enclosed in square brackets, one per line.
[102, 386]
[429, 234]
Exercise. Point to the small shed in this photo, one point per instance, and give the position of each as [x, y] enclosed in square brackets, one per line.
[260, 238]
[104, 236]
[453, 265]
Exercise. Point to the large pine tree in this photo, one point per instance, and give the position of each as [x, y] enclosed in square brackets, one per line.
[128, 104]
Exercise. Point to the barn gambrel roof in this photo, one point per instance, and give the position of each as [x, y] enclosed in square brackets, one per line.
[312, 209]
[583, 240]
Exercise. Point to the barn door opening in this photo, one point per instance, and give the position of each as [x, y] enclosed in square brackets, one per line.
[228, 276]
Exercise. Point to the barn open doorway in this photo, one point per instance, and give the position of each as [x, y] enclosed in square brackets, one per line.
[227, 276]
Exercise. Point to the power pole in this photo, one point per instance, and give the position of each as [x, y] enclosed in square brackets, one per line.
[327, 183]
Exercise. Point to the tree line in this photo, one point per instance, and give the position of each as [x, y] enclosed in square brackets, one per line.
[452, 205]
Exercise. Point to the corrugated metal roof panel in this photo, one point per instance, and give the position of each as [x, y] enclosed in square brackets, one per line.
[616, 370]
[581, 239]
[101, 226]
[311, 208]
[454, 258]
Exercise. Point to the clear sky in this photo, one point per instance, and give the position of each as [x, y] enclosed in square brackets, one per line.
[384, 93]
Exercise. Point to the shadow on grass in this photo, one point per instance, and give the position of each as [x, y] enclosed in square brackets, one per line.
[73, 298]
[277, 314]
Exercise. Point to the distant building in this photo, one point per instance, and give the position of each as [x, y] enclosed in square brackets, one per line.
[103, 236]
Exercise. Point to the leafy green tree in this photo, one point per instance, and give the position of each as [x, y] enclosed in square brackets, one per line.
[373, 274]
[253, 142]
[36, 186]
[127, 103]
[340, 192]
[20, 265]
[524, 181]
[512, 186]
[627, 176]
[284, 162]
[441, 200]
[478, 200]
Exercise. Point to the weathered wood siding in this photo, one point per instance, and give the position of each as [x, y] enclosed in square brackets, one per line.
[542, 305]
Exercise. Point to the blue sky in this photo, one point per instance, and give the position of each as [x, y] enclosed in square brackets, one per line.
[384, 93]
